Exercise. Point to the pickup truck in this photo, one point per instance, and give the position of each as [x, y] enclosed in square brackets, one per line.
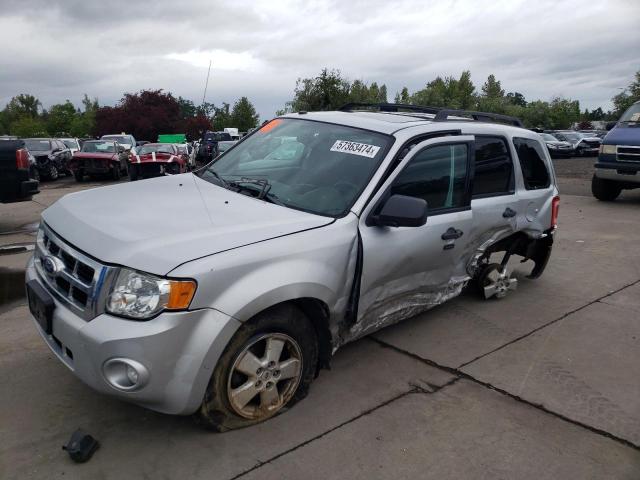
[15, 181]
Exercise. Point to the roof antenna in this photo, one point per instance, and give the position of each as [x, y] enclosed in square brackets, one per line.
[206, 84]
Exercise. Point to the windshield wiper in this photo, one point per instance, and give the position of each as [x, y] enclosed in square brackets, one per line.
[222, 181]
[263, 194]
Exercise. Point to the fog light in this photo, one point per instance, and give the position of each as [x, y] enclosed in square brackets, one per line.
[125, 374]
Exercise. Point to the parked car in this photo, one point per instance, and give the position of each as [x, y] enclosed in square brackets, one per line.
[225, 145]
[52, 156]
[17, 182]
[157, 159]
[73, 144]
[127, 141]
[208, 149]
[100, 158]
[224, 291]
[618, 165]
[582, 144]
[557, 148]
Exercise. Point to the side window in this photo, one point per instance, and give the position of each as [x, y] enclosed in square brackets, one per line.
[437, 174]
[532, 163]
[493, 167]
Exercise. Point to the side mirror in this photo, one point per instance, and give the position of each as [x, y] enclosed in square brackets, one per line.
[610, 125]
[402, 211]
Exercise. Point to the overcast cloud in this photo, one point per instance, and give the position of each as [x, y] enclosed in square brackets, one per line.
[60, 49]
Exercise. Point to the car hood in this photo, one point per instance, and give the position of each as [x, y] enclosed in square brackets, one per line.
[106, 156]
[155, 225]
[623, 135]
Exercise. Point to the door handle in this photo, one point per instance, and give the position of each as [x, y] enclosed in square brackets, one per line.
[509, 213]
[451, 234]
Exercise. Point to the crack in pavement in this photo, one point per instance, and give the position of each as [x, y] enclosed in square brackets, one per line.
[414, 390]
[463, 375]
[537, 329]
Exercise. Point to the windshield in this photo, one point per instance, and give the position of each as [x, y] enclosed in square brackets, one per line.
[224, 146]
[121, 139]
[70, 143]
[632, 114]
[311, 166]
[549, 138]
[155, 147]
[99, 147]
[572, 137]
[216, 136]
[38, 145]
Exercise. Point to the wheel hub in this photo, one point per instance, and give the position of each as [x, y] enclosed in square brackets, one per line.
[264, 376]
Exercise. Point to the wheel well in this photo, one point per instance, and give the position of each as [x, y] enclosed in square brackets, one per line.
[318, 313]
[529, 248]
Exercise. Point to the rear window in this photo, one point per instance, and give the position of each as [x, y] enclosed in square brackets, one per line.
[493, 167]
[534, 168]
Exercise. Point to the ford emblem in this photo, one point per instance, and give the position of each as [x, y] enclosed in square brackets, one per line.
[50, 266]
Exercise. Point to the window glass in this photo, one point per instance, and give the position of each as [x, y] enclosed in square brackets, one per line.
[311, 166]
[438, 175]
[493, 167]
[532, 164]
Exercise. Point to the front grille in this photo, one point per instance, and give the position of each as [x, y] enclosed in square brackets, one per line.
[72, 276]
[628, 154]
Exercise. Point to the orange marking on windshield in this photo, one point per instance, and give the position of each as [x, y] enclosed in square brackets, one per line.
[270, 126]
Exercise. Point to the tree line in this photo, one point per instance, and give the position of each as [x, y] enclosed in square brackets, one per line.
[144, 114]
[330, 90]
[147, 113]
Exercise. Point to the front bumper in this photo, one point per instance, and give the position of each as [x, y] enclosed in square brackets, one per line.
[93, 166]
[179, 350]
[626, 173]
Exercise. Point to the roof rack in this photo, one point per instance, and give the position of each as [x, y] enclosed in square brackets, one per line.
[441, 114]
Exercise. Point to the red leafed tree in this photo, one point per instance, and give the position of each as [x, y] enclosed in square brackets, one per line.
[195, 127]
[144, 115]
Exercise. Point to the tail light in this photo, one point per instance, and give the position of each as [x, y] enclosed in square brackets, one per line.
[22, 159]
[555, 207]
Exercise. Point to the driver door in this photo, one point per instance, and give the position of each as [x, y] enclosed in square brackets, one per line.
[406, 270]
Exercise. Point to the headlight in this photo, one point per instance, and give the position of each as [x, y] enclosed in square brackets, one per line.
[551, 145]
[611, 149]
[141, 295]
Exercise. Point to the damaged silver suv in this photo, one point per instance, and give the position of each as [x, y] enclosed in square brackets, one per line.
[222, 292]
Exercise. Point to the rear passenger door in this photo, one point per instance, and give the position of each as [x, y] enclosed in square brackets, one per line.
[494, 200]
[538, 188]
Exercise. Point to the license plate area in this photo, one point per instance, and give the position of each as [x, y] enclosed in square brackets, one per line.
[41, 305]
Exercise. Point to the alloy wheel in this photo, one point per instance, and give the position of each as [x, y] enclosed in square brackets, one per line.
[264, 376]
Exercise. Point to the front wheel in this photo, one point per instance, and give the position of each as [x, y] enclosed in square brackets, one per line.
[53, 173]
[78, 175]
[605, 190]
[266, 368]
[115, 172]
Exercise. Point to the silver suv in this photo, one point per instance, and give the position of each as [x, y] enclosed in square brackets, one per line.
[224, 291]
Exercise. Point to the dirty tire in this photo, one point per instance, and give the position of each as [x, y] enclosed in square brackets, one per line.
[216, 412]
[78, 175]
[115, 172]
[605, 190]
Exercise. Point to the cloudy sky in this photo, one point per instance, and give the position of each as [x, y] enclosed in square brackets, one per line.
[60, 49]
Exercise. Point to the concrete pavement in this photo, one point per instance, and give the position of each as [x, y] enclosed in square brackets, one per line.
[542, 384]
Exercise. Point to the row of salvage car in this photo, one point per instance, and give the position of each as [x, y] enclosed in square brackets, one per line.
[112, 156]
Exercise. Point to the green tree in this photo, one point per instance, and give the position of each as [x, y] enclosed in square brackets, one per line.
[627, 97]
[243, 115]
[27, 126]
[222, 117]
[24, 104]
[403, 96]
[60, 118]
[516, 98]
[466, 91]
[328, 91]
